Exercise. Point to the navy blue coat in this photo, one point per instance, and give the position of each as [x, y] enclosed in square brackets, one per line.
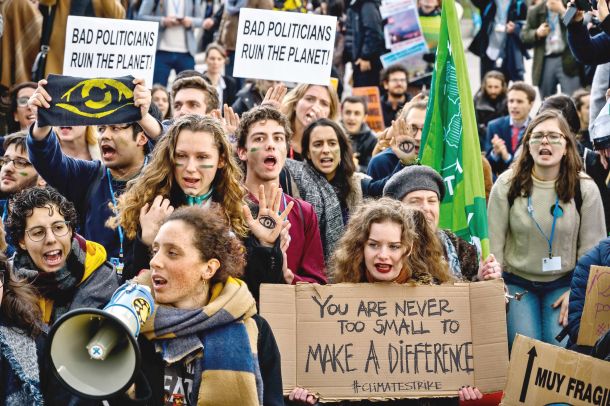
[501, 127]
[598, 255]
[586, 49]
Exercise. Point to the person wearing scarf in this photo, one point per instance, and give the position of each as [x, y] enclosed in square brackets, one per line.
[387, 242]
[67, 271]
[204, 344]
[21, 340]
[193, 165]
[421, 187]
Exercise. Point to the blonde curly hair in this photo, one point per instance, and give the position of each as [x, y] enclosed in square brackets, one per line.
[157, 178]
[424, 263]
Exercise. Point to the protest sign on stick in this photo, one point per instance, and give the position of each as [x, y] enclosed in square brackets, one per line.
[278, 45]
[544, 374]
[595, 319]
[103, 47]
[362, 341]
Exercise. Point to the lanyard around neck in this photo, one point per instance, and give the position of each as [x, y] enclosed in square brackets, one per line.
[530, 210]
[114, 203]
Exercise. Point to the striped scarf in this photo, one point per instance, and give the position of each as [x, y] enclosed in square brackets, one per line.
[228, 373]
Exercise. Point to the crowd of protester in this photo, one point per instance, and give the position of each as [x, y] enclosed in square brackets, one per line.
[226, 183]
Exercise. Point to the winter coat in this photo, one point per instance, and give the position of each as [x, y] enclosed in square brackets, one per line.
[364, 31]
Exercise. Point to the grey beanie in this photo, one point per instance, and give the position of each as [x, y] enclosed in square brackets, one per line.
[411, 178]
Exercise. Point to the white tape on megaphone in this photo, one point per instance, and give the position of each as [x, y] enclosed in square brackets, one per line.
[94, 352]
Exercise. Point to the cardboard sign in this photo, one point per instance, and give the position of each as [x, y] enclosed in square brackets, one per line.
[595, 319]
[544, 374]
[363, 341]
[278, 45]
[104, 47]
[374, 117]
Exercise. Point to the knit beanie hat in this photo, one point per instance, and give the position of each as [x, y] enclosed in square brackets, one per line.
[411, 178]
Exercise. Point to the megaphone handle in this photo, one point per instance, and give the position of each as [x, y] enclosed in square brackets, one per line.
[143, 393]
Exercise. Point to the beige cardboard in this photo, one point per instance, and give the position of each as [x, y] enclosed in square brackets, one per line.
[344, 341]
[541, 374]
[595, 319]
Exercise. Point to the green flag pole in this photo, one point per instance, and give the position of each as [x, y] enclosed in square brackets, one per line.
[450, 138]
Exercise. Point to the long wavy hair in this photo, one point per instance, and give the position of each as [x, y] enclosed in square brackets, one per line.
[19, 302]
[157, 178]
[425, 261]
[291, 99]
[570, 165]
[346, 167]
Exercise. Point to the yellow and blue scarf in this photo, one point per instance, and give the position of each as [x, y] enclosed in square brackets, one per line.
[228, 373]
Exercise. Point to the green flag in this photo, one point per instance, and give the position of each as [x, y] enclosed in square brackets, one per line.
[450, 139]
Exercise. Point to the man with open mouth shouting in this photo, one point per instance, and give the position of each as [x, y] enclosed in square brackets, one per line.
[94, 185]
[263, 137]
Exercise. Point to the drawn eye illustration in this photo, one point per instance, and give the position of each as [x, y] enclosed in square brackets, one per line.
[94, 96]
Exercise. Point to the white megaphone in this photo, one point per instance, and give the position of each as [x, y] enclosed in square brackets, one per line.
[94, 352]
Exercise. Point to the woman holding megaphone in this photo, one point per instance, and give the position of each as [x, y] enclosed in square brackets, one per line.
[204, 342]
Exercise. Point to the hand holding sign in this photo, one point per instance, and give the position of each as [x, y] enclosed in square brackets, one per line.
[142, 97]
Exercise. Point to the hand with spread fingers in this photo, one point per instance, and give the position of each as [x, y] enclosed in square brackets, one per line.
[268, 225]
[274, 96]
[403, 144]
[151, 217]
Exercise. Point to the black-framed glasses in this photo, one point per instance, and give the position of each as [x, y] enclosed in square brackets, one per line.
[114, 128]
[20, 163]
[551, 136]
[22, 101]
[38, 233]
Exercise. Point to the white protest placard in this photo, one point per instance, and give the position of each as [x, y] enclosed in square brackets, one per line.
[278, 45]
[104, 47]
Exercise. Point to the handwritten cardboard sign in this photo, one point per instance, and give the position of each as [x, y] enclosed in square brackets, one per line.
[595, 319]
[544, 374]
[279, 45]
[374, 118]
[102, 47]
[358, 341]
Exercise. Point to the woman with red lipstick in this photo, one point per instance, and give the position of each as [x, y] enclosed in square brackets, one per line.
[544, 214]
[305, 104]
[327, 179]
[387, 242]
[193, 165]
[68, 271]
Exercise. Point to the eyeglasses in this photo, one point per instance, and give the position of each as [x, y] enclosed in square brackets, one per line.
[20, 163]
[38, 233]
[413, 129]
[22, 101]
[551, 136]
[397, 80]
[101, 129]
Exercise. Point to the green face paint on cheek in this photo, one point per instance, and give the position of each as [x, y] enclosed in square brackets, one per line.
[254, 149]
[24, 174]
[178, 164]
[206, 166]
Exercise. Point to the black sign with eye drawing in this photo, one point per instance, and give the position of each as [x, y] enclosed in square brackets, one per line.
[93, 101]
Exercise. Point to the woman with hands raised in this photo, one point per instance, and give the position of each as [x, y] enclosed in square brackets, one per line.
[193, 165]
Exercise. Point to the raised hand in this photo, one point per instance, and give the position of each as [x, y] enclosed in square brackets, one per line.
[151, 217]
[274, 96]
[268, 225]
